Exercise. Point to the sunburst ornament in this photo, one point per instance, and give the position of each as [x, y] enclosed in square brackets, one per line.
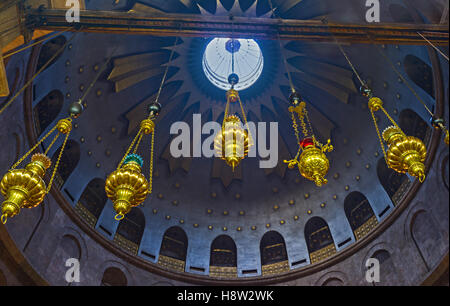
[187, 83]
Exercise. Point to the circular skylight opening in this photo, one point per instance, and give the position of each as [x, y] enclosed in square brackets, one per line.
[218, 62]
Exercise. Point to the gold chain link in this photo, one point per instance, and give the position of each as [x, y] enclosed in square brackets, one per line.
[226, 113]
[246, 123]
[295, 126]
[129, 148]
[303, 124]
[57, 162]
[311, 129]
[33, 148]
[138, 143]
[392, 120]
[379, 135]
[150, 177]
[52, 143]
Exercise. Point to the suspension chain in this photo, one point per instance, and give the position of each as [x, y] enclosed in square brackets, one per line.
[129, 148]
[57, 162]
[379, 135]
[33, 148]
[150, 178]
[392, 120]
[246, 123]
[311, 129]
[138, 143]
[303, 124]
[52, 143]
[295, 126]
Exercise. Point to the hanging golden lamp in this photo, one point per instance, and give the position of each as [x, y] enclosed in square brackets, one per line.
[310, 159]
[436, 122]
[26, 187]
[127, 187]
[405, 154]
[232, 143]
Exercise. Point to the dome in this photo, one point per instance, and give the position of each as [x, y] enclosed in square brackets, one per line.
[203, 222]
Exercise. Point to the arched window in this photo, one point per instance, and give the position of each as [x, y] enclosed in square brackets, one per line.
[393, 182]
[92, 201]
[425, 233]
[114, 277]
[68, 163]
[48, 50]
[130, 231]
[318, 239]
[359, 214]
[223, 258]
[274, 259]
[172, 254]
[333, 282]
[69, 246]
[46, 111]
[413, 125]
[420, 73]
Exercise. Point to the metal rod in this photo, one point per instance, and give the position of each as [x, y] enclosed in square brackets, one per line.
[244, 27]
[431, 44]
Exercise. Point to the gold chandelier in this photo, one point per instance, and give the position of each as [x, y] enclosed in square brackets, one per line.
[26, 188]
[127, 187]
[232, 143]
[310, 159]
[405, 154]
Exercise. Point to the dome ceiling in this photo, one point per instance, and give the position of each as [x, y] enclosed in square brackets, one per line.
[202, 195]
